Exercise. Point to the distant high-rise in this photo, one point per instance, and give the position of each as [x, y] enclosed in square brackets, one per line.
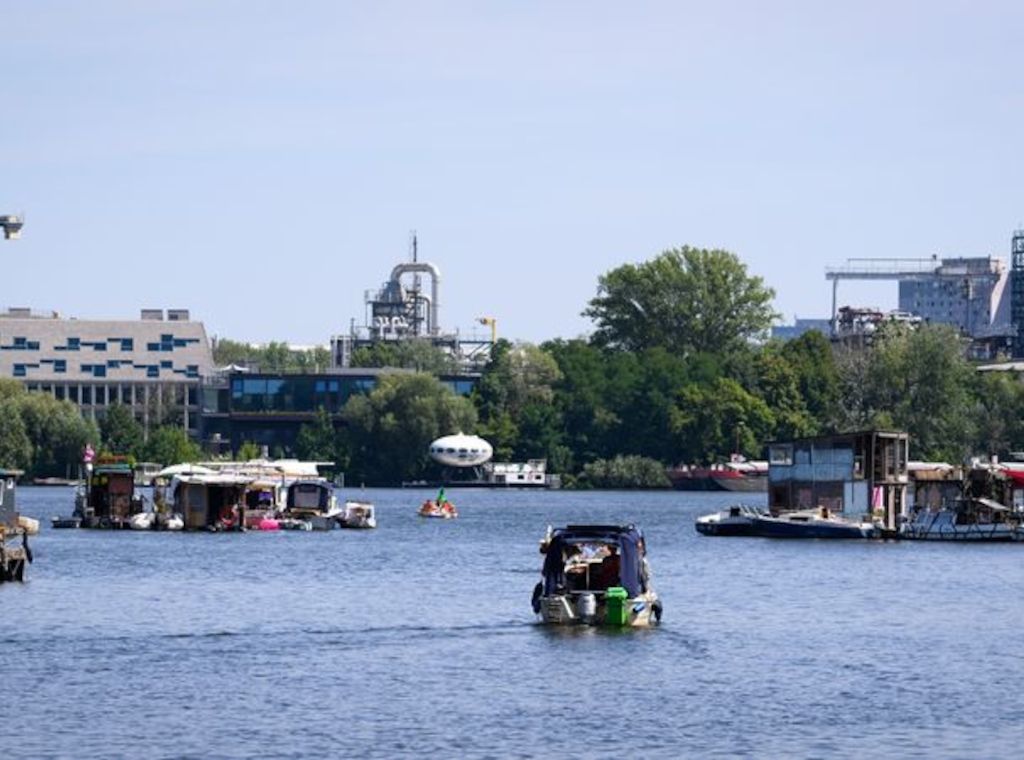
[1017, 291]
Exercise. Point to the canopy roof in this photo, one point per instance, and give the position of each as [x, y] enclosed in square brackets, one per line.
[627, 538]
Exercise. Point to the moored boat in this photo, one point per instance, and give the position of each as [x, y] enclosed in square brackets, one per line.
[969, 519]
[312, 501]
[358, 515]
[812, 523]
[594, 575]
[737, 520]
[735, 475]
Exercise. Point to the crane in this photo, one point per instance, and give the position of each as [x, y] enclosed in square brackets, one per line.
[493, 325]
[12, 226]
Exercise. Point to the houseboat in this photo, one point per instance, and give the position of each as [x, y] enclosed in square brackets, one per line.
[596, 575]
[851, 485]
[15, 553]
[108, 498]
[212, 502]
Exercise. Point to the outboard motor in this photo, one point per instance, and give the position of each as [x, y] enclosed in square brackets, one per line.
[586, 607]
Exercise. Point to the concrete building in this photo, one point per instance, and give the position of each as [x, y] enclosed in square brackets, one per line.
[153, 364]
[801, 326]
[969, 293]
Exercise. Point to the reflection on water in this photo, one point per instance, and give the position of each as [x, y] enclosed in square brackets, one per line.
[418, 637]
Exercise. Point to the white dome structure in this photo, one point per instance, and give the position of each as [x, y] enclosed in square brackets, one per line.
[461, 450]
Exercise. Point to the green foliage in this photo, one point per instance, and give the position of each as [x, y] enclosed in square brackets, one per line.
[711, 422]
[418, 354]
[624, 472]
[318, 441]
[120, 432]
[686, 300]
[273, 357]
[248, 450]
[15, 447]
[390, 429]
[57, 431]
[171, 445]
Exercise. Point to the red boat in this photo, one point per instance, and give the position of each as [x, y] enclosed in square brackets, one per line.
[736, 475]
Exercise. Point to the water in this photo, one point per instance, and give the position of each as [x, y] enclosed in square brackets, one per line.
[418, 638]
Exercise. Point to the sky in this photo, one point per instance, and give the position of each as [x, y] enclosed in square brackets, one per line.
[264, 164]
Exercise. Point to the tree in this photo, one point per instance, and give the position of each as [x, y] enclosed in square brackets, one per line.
[121, 433]
[317, 440]
[171, 445]
[686, 300]
[15, 447]
[710, 422]
[625, 472]
[919, 380]
[390, 429]
[416, 354]
[249, 450]
[57, 431]
[813, 362]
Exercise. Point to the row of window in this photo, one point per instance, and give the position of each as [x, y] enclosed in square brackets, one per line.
[167, 342]
[105, 395]
[100, 370]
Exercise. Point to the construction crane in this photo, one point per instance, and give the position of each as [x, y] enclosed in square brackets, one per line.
[12, 226]
[493, 324]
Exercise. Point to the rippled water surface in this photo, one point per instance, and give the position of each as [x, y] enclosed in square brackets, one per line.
[418, 638]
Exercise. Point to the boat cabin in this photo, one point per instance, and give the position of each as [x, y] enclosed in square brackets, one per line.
[594, 558]
[851, 474]
[109, 500]
[309, 497]
[211, 502]
[8, 505]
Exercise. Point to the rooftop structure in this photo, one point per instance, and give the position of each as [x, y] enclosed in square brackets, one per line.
[968, 293]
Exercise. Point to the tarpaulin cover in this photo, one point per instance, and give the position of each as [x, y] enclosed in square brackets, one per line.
[627, 538]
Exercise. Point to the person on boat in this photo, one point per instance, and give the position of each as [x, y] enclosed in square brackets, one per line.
[608, 571]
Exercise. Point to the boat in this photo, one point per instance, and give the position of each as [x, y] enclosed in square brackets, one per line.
[65, 522]
[108, 499]
[357, 515]
[596, 575]
[968, 519]
[311, 500]
[13, 558]
[811, 523]
[142, 521]
[443, 510]
[738, 474]
[212, 502]
[737, 520]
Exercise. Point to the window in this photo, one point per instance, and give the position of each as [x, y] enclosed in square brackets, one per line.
[99, 370]
[127, 344]
[166, 364]
[60, 365]
[99, 346]
[153, 371]
[19, 370]
[192, 370]
[74, 344]
[152, 346]
[780, 454]
[32, 345]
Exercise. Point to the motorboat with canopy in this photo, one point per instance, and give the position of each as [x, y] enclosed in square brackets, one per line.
[596, 574]
[358, 515]
[312, 500]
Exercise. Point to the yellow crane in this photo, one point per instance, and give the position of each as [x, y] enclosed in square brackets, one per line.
[493, 324]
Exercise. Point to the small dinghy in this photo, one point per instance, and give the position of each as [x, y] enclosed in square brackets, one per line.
[358, 515]
[65, 522]
[142, 521]
[443, 511]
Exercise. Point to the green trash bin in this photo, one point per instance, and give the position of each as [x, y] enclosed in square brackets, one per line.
[616, 612]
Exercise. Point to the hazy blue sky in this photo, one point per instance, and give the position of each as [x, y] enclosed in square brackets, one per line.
[262, 164]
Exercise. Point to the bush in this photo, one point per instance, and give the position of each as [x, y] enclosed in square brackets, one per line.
[626, 472]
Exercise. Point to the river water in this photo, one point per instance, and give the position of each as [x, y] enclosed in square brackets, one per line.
[418, 638]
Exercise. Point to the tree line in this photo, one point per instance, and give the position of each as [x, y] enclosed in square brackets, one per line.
[678, 370]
